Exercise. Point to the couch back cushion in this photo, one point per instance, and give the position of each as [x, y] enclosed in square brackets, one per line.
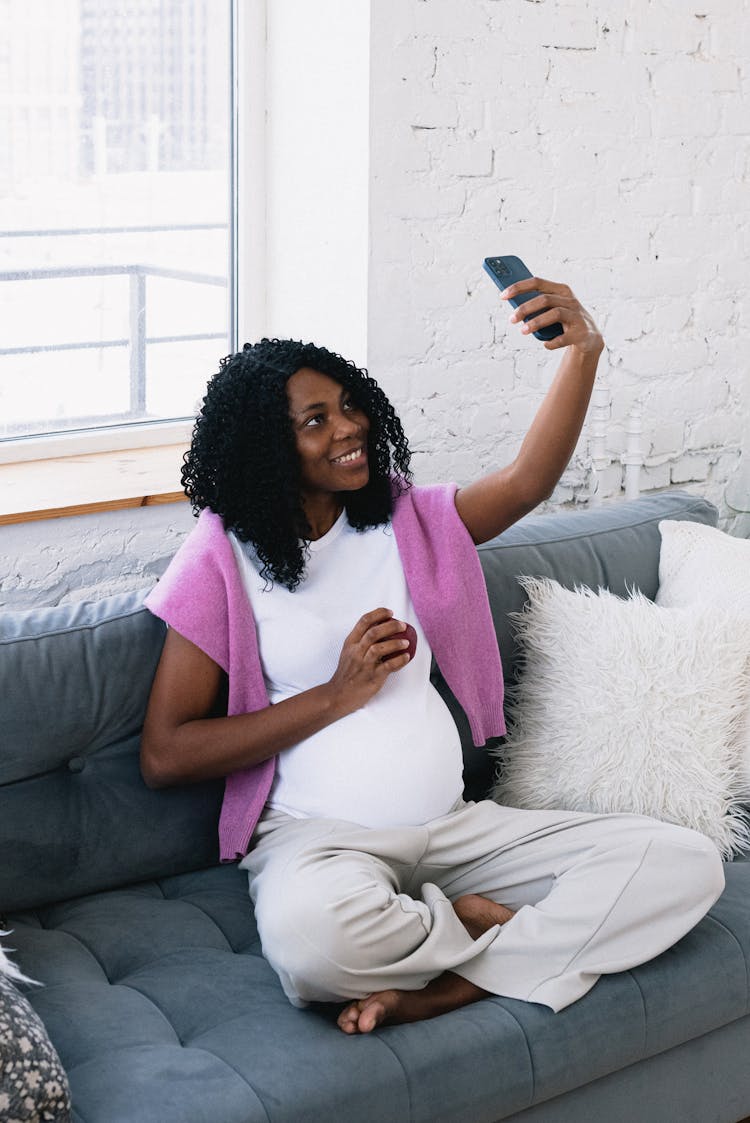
[75, 815]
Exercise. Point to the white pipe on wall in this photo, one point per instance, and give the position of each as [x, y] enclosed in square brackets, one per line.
[633, 456]
[600, 411]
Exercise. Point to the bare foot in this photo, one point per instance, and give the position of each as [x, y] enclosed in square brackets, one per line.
[394, 1007]
[446, 992]
[478, 914]
[365, 1014]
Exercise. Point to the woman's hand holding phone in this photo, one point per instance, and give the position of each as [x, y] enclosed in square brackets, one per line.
[548, 310]
[555, 303]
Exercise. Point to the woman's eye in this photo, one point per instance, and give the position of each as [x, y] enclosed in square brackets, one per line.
[317, 418]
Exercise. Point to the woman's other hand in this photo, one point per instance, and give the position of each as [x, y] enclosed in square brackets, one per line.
[364, 664]
[187, 735]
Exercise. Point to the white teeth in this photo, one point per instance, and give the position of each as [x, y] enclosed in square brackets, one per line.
[350, 456]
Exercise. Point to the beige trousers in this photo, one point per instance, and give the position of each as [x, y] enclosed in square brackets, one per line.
[343, 910]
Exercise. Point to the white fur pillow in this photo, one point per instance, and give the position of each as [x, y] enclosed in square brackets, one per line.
[626, 706]
[700, 565]
[8, 968]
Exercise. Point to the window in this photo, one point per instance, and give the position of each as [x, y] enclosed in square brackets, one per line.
[115, 215]
[178, 176]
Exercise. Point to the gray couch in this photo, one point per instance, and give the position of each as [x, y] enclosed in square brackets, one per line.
[156, 994]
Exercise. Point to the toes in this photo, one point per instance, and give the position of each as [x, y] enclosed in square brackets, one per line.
[348, 1019]
[364, 1015]
[373, 1013]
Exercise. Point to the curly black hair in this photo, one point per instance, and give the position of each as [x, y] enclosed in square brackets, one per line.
[243, 463]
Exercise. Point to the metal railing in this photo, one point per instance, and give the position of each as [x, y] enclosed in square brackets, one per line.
[137, 340]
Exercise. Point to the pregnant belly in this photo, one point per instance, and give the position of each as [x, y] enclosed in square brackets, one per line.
[373, 768]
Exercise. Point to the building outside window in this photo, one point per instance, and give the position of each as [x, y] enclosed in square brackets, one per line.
[115, 210]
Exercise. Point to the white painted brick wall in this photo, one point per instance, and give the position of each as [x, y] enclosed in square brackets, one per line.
[58, 561]
[606, 144]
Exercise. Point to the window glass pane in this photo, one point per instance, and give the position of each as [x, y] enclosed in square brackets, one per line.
[114, 209]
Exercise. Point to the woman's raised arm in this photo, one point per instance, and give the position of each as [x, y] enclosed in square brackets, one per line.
[493, 503]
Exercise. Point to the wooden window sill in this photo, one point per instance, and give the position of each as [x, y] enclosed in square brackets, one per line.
[85, 484]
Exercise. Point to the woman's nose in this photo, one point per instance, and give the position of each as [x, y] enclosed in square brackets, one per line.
[346, 425]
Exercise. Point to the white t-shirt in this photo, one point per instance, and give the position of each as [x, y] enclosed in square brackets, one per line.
[397, 760]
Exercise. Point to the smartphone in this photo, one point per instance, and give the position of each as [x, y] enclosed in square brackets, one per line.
[506, 271]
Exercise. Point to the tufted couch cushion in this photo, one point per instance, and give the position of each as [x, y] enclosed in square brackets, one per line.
[163, 1009]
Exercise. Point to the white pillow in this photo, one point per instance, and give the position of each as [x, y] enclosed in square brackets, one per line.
[623, 705]
[698, 564]
[8, 968]
[701, 565]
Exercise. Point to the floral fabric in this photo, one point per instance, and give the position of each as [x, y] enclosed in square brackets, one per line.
[33, 1084]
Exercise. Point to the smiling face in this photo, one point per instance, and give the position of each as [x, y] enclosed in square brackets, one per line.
[330, 433]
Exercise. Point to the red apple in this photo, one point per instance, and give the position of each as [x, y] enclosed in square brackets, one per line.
[409, 634]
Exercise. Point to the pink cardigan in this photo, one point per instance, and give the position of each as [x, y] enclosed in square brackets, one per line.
[202, 597]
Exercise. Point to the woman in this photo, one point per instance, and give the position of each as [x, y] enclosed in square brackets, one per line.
[374, 883]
